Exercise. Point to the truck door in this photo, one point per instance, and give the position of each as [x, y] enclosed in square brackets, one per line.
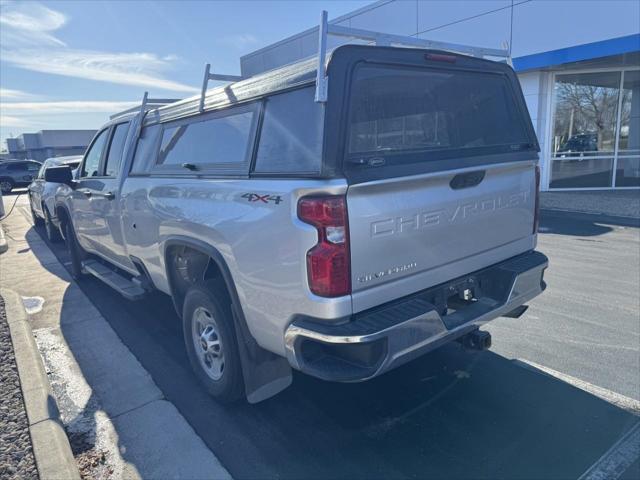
[90, 183]
[105, 205]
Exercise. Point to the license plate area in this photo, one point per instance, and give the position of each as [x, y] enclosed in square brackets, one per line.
[465, 299]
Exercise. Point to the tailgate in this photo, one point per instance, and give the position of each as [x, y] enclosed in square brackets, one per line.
[407, 226]
[441, 165]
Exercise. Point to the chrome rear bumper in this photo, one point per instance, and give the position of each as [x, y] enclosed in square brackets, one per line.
[373, 342]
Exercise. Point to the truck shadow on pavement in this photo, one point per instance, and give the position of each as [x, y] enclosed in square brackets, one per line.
[449, 414]
[580, 224]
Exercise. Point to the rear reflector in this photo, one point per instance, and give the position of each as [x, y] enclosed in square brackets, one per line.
[328, 262]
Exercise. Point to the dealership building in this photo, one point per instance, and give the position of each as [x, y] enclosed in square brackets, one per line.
[49, 143]
[578, 64]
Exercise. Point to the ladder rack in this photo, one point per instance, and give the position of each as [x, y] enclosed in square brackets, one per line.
[383, 39]
[377, 38]
[213, 76]
[143, 111]
[147, 103]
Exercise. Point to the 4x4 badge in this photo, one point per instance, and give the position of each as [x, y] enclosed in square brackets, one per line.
[266, 198]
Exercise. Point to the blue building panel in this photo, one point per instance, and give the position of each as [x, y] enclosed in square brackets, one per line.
[588, 51]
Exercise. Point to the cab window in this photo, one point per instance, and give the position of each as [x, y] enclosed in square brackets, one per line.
[116, 149]
[91, 165]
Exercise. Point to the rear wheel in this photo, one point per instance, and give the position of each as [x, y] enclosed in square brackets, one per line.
[210, 340]
[53, 234]
[6, 185]
[76, 252]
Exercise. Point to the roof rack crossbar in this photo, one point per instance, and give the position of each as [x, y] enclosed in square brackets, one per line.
[214, 76]
[383, 39]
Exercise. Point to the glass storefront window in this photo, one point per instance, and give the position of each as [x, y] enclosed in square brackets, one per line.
[586, 114]
[581, 172]
[628, 168]
[590, 137]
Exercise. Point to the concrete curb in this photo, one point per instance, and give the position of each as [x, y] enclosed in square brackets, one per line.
[3, 241]
[51, 447]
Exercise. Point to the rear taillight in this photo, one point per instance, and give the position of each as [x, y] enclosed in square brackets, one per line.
[440, 57]
[536, 213]
[328, 262]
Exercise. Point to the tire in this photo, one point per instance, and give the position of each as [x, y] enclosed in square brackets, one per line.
[6, 185]
[214, 357]
[37, 221]
[76, 253]
[53, 234]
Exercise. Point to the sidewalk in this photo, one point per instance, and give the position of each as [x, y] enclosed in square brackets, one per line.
[618, 203]
[117, 420]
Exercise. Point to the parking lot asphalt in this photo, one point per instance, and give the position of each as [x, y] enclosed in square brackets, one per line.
[587, 323]
[451, 413]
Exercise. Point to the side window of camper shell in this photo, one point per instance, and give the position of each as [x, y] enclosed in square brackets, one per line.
[218, 143]
[291, 135]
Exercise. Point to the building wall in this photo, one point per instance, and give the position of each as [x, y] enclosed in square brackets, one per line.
[49, 143]
[538, 26]
[65, 138]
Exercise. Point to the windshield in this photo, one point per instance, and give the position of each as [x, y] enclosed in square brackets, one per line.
[397, 110]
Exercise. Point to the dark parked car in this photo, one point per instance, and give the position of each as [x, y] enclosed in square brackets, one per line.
[581, 142]
[17, 174]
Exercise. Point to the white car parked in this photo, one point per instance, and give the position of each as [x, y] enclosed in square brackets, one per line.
[41, 194]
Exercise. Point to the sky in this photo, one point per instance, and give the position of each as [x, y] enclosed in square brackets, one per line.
[69, 64]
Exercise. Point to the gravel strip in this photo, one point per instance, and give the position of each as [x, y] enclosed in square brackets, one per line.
[16, 454]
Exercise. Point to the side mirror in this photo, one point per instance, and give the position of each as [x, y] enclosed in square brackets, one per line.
[61, 174]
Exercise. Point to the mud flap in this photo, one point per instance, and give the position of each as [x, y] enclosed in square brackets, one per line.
[265, 374]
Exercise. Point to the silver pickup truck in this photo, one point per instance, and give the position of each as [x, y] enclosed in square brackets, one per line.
[341, 238]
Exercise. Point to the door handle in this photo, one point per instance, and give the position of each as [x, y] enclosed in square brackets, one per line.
[86, 192]
[109, 195]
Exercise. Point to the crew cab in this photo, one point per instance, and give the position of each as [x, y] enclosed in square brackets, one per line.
[339, 238]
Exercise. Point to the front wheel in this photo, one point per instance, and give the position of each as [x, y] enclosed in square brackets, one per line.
[210, 340]
[76, 252]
